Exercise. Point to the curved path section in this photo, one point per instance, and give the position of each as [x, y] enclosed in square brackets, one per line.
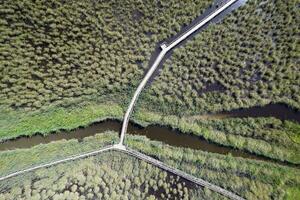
[166, 48]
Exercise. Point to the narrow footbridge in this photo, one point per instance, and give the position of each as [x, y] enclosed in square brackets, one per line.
[136, 154]
[165, 48]
[180, 173]
[120, 146]
[50, 164]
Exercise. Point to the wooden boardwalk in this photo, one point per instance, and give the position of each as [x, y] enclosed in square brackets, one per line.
[165, 48]
[120, 147]
[182, 174]
[136, 154]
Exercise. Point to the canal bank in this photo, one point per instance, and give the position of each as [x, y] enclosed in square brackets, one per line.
[178, 132]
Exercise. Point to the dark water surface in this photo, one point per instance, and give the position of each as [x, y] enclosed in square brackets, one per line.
[176, 138]
[164, 134]
[279, 111]
[79, 133]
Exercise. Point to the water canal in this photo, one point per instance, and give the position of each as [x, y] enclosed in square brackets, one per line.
[164, 134]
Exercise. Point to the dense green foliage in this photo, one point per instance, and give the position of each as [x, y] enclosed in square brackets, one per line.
[293, 193]
[14, 124]
[269, 137]
[14, 160]
[294, 131]
[250, 58]
[264, 136]
[248, 178]
[272, 136]
[62, 53]
[59, 52]
[111, 175]
[56, 52]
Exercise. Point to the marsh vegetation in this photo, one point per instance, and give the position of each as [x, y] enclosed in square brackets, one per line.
[65, 64]
[58, 52]
[251, 58]
[248, 178]
[111, 175]
[269, 137]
